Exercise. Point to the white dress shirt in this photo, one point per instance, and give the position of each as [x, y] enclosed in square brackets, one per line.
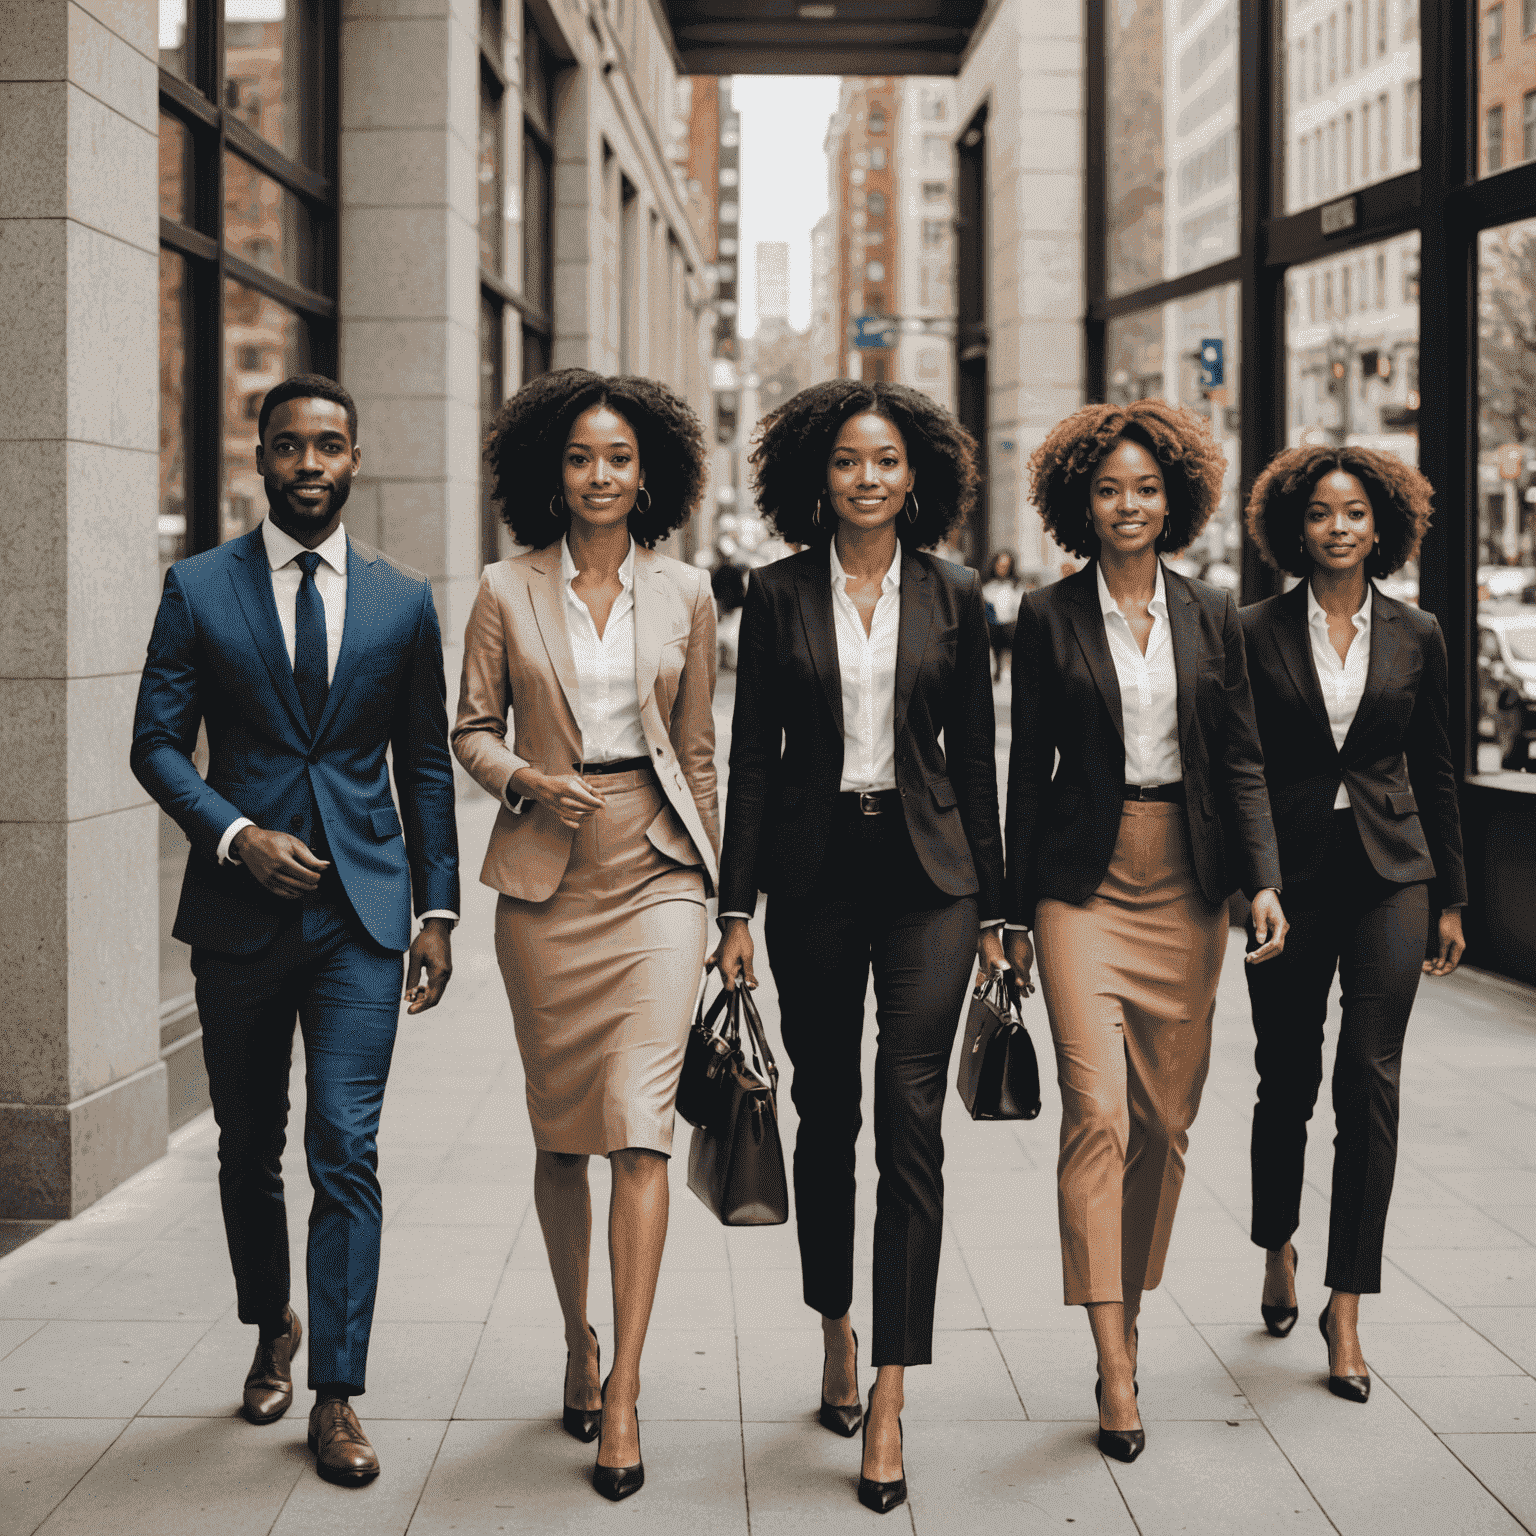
[867, 664]
[1149, 688]
[283, 553]
[609, 711]
[1343, 682]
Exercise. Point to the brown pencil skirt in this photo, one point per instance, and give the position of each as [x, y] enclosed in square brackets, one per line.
[1130, 986]
[602, 978]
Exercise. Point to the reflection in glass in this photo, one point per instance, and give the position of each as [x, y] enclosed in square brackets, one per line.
[175, 170]
[1506, 86]
[1506, 497]
[271, 73]
[537, 264]
[1158, 353]
[175, 331]
[264, 342]
[266, 225]
[1351, 107]
[173, 37]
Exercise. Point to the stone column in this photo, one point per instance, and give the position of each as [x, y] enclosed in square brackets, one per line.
[82, 1090]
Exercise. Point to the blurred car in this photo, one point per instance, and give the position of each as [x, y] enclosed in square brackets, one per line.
[1506, 684]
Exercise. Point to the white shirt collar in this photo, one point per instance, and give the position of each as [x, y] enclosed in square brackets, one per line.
[1158, 607]
[1318, 615]
[283, 549]
[890, 582]
[568, 571]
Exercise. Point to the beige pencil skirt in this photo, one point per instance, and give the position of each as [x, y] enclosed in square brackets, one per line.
[602, 978]
[1130, 986]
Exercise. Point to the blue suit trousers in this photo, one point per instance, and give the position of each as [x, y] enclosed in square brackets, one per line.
[323, 970]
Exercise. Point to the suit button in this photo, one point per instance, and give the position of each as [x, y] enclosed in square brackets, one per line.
[658, 751]
[295, 822]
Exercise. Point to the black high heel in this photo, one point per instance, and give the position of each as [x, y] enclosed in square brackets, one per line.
[584, 1424]
[882, 1497]
[1353, 1389]
[1122, 1444]
[1280, 1320]
[841, 1418]
[617, 1483]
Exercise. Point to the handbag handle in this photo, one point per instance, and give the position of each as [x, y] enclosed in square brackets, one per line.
[764, 1067]
[705, 1022]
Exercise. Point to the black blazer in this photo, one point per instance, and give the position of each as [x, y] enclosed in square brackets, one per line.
[1066, 699]
[787, 732]
[1396, 759]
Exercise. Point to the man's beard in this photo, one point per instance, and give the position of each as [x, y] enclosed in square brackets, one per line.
[283, 510]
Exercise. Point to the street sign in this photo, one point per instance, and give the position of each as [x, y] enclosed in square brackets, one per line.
[1212, 363]
[874, 331]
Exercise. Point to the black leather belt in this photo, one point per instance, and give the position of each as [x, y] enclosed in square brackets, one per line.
[624, 765]
[869, 803]
[1170, 793]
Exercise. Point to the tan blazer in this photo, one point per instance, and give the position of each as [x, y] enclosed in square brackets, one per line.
[519, 669]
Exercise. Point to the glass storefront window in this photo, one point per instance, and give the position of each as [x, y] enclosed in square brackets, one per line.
[492, 181]
[175, 170]
[271, 74]
[264, 342]
[1505, 684]
[173, 37]
[1160, 353]
[1172, 135]
[266, 225]
[175, 334]
[1351, 96]
[1506, 85]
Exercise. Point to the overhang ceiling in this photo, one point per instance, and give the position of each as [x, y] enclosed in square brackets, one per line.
[850, 37]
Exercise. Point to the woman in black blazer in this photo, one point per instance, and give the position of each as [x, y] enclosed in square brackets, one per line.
[1129, 678]
[1350, 688]
[876, 846]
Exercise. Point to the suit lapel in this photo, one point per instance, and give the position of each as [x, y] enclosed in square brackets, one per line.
[549, 613]
[1088, 621]
[1294, 643]
[251, 577]
[650, 599]
[1184, 635]
[814, 594]
[1382, 664]
[912, 635]
[359, 629]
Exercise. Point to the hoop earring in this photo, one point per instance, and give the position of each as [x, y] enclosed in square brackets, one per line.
[816, 515]
[915, 510]
[554, 511]
[647, 507]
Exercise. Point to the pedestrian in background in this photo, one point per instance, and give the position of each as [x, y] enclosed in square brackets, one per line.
[1352, 699]
[585, 709]
[1122, 859]
[1002, 592]
[878, 849]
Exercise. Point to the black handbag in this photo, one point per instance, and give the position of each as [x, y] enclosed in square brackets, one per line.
[736, 1160]
[999, 1078]
[704, 1060]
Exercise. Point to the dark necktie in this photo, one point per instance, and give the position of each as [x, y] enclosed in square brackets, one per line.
[309, 660]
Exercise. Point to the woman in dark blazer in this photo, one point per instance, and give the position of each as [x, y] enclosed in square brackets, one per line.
[877, 847]
[1350, 689]
[1122, 859]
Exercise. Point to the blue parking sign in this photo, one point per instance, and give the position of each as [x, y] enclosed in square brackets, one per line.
[1212, 363]
[874, 331]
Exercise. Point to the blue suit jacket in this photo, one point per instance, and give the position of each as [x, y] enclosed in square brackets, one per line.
[217, 656]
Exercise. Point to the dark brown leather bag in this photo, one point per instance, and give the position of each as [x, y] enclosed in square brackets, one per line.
[999, 1078]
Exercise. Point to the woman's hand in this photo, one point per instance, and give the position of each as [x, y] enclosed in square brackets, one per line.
[1269, 927]
[733, 955]
[989, 951]
[568, 795]
[1452, 945]
[1021, 956]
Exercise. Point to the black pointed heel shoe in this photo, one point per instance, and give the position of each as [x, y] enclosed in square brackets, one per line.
[1280, 1320]
[882, 1497]
[1122, 1444]
[1353, 1389]
[584, 1424]
[841, 1418]
[615, 1483]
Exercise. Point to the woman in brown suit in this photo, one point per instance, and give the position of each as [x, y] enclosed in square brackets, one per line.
[1122, 860]
[597, 656]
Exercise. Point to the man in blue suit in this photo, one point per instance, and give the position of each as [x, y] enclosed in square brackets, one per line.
[307, 656]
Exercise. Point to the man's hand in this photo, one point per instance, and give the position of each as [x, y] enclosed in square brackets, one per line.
[989, 952]
[279, 862]
[733, 955]
[1021, 956]
[431, 960]
[1269, 928]
[1451, 947]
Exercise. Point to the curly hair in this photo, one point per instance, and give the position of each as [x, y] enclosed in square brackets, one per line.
[795, 441]
[1061, 469]
[527, 439]
[1400, 500]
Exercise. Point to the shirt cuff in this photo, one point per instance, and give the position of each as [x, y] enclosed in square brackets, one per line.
[453, 917]
[991, 922]
[513, 801]
[1016, 927]
[231, 832]
[721, 917]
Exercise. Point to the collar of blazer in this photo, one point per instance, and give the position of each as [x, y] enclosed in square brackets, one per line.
[813, 592]
[251, 575]
[1183, 633]
[1293, 639]
[657, 614]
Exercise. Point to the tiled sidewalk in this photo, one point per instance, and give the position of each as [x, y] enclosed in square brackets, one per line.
[121, 1359]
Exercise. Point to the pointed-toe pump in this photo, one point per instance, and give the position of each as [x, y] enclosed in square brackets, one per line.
[615, 1483]
[1353, 1389]
[882, 1497]
[584, 1424]
[1280, 1320]
[841, 1418]
[1122, 1444]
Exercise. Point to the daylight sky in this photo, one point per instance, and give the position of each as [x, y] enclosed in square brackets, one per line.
[783, 178]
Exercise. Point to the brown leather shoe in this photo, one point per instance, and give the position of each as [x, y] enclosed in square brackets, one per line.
[343, 1453]
[269, 1386]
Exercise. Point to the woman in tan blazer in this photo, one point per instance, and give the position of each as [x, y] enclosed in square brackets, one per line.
[597, 656]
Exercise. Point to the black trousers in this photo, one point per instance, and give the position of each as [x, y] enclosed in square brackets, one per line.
[1376, 933]
[874, 906]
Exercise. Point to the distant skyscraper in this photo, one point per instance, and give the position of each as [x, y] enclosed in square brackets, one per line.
[772, 280]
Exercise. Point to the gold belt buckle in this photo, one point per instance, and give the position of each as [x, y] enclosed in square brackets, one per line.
[869, 803]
